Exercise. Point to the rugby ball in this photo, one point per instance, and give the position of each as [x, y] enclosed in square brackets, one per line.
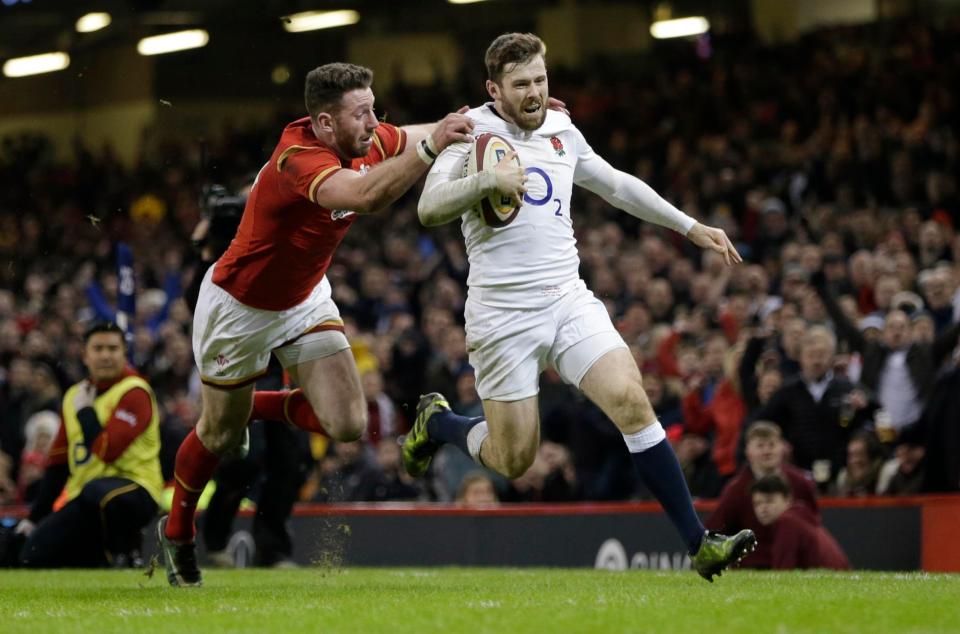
[496, 210]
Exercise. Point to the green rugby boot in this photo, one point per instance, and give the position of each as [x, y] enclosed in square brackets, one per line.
[418, 449]
[179, 559]
[717, 552]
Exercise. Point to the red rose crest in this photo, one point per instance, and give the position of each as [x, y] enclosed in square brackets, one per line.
[557, 146]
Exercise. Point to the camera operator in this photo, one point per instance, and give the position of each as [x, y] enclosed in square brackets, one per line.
[279, 451]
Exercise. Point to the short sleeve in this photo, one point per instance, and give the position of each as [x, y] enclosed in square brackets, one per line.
[390, 140]
[304, 169]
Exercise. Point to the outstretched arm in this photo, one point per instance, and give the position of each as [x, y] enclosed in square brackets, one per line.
[638, 199]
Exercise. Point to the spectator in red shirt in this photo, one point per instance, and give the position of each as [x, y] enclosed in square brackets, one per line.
[765, 450]
[713, 407]
[798, 539]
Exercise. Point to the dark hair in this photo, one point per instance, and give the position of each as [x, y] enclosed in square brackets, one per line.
[771, 484]
[326, 85]
[103, 326]
[511, 48]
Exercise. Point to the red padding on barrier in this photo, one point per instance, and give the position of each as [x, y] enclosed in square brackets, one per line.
[941, 550]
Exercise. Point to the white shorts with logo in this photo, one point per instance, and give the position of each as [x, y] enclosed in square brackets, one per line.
[509, 348]
[232, 342]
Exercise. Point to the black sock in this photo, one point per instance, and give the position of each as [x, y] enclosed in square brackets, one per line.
[660, 470]
[451, 428]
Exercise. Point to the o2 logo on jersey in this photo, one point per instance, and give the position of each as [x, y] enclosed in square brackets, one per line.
[533, 188]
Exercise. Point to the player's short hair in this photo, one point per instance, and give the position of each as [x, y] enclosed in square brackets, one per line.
[103, 326]
[510, 49]
[771, 484]
[326, 85]
[765, 430]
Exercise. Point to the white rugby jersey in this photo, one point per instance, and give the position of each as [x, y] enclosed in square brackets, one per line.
[533, 260]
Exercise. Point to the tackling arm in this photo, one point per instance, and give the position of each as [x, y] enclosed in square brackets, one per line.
[373, 191]
[387, 181]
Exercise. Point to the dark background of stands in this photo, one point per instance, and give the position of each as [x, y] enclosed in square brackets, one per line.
[820, 147]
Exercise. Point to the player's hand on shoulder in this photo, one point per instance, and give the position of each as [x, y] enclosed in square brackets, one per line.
[456, 127]
[716, 240]
[511, 177]
[555, 104]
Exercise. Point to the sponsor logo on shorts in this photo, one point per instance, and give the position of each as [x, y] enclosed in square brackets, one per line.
[222, 362]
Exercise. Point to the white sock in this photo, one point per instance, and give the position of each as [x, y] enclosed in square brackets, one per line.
[475, 437]
[646, 438]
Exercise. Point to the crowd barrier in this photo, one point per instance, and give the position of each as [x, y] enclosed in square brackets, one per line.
[904, 533]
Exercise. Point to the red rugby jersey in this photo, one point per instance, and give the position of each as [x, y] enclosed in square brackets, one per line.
[286, 241]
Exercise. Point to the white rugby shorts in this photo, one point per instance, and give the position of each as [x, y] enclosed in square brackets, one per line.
[232, 342]
[509, 348]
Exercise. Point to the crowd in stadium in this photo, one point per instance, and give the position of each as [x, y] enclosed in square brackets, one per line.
[837, 182]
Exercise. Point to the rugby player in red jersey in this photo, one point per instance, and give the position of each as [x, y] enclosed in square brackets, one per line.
[268, 293]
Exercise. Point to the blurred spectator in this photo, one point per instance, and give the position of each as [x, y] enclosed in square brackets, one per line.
[17, 397]
[476, 490]
[765, 457]
[897, 367]
[903, 474]
[40, 432]
[939, 434]
[391, 481]
[551, 477]
[347, 473]
[817, 410]
[861, 473]
[713, 405]
[798, 539]
[385, 420]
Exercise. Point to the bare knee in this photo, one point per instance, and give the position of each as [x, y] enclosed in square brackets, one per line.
[631, 409]
[217, 436]
[516, 467]
[349, 424]
[513, 463]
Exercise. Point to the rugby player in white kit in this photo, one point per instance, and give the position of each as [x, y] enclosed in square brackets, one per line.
[527, 307]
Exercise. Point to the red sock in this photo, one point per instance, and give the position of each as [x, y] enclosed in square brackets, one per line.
[194, 468]
[290, 406]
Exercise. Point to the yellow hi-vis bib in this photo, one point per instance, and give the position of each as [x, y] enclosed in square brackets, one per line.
[140, 461]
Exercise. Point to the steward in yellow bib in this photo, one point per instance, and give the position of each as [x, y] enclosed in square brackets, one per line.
[103, 476]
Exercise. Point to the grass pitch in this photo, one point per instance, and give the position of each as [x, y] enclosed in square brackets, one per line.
[458, 600]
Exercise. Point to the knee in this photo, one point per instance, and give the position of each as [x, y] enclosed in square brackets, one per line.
[629, 408]
[515, 463]
[218, 437]
[350, 424]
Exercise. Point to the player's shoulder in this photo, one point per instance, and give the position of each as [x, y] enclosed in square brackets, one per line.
[486, 119]
[299, 140]
[555, 123]
[298, 132]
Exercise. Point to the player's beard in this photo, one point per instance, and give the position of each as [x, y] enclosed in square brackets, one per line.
[349, 144]
[523, 120]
